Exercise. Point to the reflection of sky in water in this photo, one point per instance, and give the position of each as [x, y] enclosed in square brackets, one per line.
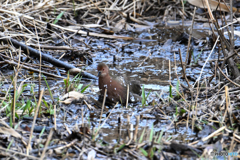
[156, 87]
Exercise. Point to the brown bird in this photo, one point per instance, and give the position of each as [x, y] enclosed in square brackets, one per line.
[116, 92]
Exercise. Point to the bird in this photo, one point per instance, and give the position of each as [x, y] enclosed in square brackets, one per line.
[116, 91]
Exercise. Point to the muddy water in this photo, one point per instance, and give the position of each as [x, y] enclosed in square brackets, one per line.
[154, 64]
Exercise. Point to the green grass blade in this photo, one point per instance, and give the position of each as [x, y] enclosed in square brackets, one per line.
[42, 131]
[86, 87]
[27, 106]
[50, 92]
[143, 96]
[177, 88]
[170, 91]
[10, 144]
[144, 152]
[21, 91]
[141, 138]
[58, 17]
[160, 137]
[118, 149]
[148, 94]
[151, 134]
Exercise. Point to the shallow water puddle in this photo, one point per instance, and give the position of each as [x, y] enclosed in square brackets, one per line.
[149, 64]
[154, 64]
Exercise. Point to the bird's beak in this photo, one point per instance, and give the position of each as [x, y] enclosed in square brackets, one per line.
[99, 73]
